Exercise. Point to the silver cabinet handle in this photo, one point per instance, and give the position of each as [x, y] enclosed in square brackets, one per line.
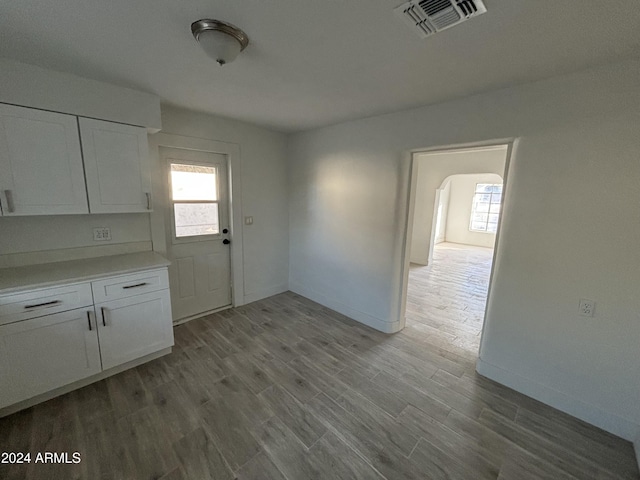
[89, 320]
[45, 304]
[135, 286]
[148, 194]
[8, 194]
[104, 322]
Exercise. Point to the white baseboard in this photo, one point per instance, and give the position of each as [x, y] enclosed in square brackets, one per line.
[612, 423]
[379, 324]
[264, 293]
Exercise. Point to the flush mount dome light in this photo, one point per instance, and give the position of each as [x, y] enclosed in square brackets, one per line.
[221, 40]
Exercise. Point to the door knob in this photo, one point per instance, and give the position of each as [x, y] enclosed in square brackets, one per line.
[226, 241]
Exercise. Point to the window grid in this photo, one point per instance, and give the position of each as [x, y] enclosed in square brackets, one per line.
[485, 210]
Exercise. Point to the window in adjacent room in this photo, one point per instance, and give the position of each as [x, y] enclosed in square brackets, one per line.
[194, 195]
[485, 210]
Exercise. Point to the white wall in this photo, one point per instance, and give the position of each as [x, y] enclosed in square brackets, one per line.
[433, 168]
[32, 234]
[37, 87]
[460, 205]
[442, 214]
[264, 194]
[579, 144]
[42, 239]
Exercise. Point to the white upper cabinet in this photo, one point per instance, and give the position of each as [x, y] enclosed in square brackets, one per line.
[41, 170]
[116, 166]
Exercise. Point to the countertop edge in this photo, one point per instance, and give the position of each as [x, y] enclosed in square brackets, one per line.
[77, 271]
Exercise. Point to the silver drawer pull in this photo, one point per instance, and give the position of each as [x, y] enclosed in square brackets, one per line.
[136, 285]
[45, 304]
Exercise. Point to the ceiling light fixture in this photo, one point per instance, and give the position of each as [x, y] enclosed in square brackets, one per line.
[221, 40]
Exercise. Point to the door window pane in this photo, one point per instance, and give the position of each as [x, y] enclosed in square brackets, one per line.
[193, 182]
[196, 219]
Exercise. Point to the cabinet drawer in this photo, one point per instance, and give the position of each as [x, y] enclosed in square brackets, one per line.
[129, 285]
[36, 303]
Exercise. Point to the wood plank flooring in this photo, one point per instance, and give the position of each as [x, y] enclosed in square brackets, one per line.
[285, 389]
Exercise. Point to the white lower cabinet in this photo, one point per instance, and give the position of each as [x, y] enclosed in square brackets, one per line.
[133, 327]
[43, 349]
[45, 353]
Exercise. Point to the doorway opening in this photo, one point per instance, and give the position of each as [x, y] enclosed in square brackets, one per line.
[456, 206]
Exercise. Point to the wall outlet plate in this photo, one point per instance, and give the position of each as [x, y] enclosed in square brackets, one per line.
[248, 220]
[101, 234]
[586, 308]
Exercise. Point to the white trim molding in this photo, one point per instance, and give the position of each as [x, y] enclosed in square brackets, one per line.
[379, 324]
[612, 423]
[265, 293]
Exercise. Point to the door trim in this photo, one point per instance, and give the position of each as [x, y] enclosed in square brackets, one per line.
[412, 167]
[158, 226]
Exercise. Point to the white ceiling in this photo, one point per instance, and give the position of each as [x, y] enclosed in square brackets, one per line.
[315, 62]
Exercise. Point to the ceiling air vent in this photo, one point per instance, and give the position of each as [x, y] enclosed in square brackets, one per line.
[426, 17]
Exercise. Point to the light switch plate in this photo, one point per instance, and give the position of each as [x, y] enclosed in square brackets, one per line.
[101, 234]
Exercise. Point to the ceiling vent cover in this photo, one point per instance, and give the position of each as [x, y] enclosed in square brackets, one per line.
[426, 17]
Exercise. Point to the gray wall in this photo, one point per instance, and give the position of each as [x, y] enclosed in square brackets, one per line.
[578, 144]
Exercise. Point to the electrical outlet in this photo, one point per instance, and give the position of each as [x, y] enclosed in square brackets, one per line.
[101, 234]
[587, 308]
[248, 220]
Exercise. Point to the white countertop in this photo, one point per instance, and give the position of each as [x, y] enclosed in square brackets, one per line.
[74, 271]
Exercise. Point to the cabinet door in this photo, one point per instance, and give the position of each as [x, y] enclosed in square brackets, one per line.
[133, 327]
[116, 165]
[41, 169]
[45, 353]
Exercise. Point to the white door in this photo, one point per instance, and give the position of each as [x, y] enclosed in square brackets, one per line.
[48, 352]
[198, 237]
[41, 169]
[116, 165]
[133, 327]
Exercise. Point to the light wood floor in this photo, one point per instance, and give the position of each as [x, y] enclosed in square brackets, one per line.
[287, 389]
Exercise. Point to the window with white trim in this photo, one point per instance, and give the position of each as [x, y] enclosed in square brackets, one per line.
[485, 210]
[194, 195]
